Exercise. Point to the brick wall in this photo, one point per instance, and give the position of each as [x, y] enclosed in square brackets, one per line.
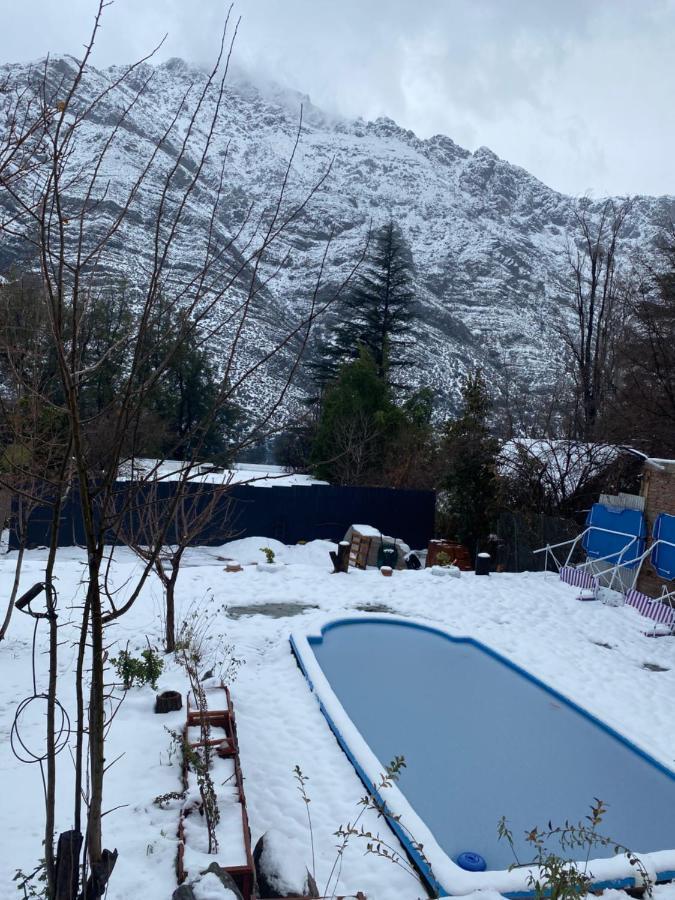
[658, 489]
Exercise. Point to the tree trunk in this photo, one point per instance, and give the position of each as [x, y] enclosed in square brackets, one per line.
[170, 641]
[15, 589]
[341, 558]
[67, 858]
[51, 758]
[79, 733]
[50, 786]
[96, 722]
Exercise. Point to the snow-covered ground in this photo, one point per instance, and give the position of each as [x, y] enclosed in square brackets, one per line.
[594, 654]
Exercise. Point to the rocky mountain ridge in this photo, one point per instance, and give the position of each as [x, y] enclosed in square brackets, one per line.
[488, 239]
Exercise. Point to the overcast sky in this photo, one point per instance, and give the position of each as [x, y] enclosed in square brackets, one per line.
[579, 92]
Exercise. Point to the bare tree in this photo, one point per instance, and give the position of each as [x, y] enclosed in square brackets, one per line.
[61, 215]
[553, 476]
[170, 516]
[644, 411]
[355, 448]
[596, 299]
[22, 127]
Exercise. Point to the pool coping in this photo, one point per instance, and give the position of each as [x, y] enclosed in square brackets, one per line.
[437, 868]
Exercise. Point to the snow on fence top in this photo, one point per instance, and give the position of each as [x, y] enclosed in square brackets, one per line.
[252, 474]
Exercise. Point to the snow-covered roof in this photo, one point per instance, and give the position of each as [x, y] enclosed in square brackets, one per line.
[565, 464]
[666, 465]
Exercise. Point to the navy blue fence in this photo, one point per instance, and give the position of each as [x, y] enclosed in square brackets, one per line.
[289, 514]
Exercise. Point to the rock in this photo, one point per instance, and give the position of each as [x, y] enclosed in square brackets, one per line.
[279, 868]
[225, 879]
[312, 889]
[210, 887]
[184, 892]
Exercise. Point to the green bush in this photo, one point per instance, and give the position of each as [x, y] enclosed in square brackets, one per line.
[134, 670]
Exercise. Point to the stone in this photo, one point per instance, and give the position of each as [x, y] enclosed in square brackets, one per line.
[312, 889]
[184, 892]
[276, 875]
[225, 879]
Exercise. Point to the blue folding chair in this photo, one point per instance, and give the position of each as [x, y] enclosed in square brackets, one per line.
[663, 547]
[614, 536]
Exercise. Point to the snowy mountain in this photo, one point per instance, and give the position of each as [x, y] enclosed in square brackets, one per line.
[488, 238]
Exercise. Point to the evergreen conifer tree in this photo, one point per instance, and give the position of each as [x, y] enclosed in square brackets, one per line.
[377, 314]
[469, 453]
[363, 437]
[358, 426]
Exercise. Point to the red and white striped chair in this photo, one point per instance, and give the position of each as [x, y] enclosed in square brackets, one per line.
[661, 613]
[583, 579]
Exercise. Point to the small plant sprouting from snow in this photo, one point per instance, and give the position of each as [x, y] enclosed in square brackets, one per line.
[206, 647]
[444, 559]
[269, 554]
[556, 877]
[375, 843]
[302, 782]
[33, 885]
[163, 801]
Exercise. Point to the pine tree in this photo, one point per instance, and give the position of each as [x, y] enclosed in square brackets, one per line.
[348, 439]
[363, 437]
[377, 314]
[360, 428]
[469, 454]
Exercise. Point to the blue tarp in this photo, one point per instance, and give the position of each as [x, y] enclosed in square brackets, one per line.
[601, 543]
[663, 556]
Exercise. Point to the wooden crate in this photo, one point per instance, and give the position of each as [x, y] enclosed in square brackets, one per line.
[359, 550]
[455, 551]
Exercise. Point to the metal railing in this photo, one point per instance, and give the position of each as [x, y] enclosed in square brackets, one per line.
[640, 560]
[618, 569]
[574, 542]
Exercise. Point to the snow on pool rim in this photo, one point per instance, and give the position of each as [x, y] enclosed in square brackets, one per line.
[441, 872]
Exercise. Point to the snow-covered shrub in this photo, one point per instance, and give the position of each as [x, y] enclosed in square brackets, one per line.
[200, 639]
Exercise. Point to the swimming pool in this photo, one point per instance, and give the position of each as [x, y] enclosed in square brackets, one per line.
[481, 738]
